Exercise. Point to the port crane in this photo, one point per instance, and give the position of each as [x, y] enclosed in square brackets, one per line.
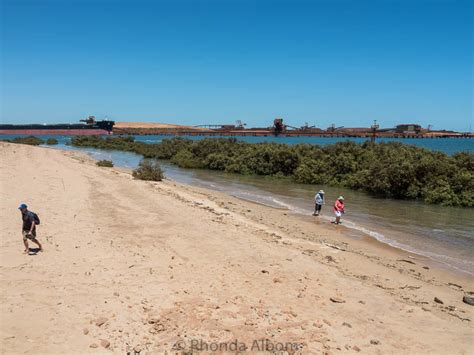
[374, 129]
[302, 128]
[332, 128]
[224, 127]
[89, 120]
[278, 126]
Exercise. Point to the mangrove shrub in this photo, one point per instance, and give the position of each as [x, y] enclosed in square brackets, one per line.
[148, 170]
[390, 169]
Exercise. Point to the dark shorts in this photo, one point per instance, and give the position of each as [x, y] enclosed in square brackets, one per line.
[318, 207]
[29, 236]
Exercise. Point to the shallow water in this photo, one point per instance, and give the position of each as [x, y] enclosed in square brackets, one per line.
[444, 234]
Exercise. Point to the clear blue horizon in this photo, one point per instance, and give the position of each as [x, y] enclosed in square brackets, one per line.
[215, 62]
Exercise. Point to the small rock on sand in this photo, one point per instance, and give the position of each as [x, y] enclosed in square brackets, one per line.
[468, 299]
[407, 261]
[375, 342]
[356, 348]
[105, 343]
[94, 345]
[337, 300]
[100, 321]
[153, 320]
[85, 331]
[317, 324]
[347, 325]
[137, 348]
[437, 300]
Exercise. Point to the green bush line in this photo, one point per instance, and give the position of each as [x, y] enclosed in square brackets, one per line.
[390, 169]
[51, 141]
[30, 140]
[105, 163]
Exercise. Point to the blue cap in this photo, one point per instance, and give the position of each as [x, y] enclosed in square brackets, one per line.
[22, 206]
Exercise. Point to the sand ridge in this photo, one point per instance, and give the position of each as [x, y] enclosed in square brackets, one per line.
[154, 125]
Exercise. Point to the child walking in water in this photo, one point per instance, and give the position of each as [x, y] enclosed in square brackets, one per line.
[339, 209]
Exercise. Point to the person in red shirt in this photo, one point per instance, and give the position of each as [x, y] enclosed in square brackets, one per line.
[339, 209]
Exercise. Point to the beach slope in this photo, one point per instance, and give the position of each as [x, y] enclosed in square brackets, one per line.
[160, 266]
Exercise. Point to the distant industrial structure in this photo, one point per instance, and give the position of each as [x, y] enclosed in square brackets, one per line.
[90, 126]
[279, 128]
[408, 129]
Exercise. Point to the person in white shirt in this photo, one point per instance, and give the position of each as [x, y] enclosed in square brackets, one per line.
[318, 202]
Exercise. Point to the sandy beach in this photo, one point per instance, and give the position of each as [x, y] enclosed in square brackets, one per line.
[159, 267]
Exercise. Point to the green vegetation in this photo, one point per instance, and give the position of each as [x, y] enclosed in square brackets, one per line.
[30, 140]
[390, 169]
[148, 170]
[105, 163]
[51, 141]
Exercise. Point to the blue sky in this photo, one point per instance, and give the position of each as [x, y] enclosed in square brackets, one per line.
[199, 62]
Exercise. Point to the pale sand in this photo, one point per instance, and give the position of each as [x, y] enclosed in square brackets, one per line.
[163, 262]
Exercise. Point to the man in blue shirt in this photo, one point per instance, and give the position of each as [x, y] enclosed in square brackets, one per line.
[319, 202]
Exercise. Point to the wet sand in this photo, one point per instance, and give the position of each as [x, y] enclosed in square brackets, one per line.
[150, 265]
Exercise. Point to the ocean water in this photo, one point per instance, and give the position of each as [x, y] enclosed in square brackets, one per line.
[444, 234]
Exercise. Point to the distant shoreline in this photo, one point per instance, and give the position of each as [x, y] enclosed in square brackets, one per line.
[279, 129]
